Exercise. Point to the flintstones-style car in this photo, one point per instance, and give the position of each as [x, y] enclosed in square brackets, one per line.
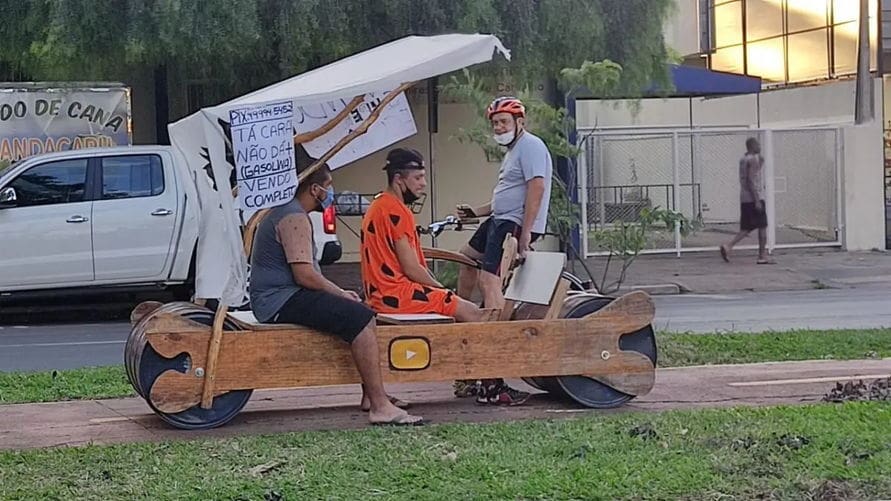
[196, 368]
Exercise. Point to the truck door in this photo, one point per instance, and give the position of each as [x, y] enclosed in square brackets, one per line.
[134, 217]
[45, 234]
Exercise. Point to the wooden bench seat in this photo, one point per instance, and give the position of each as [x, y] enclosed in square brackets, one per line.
[246, 320]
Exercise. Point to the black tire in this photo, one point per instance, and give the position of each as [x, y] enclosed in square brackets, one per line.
[144, 365]
[592, 393]
[575, 283]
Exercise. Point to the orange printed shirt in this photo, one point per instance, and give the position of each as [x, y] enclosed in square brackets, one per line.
[387, 288]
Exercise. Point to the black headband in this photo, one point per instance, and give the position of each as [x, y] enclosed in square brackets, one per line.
[405, 166]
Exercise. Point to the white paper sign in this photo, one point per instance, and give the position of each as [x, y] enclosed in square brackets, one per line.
[394, 124]
[263, 146]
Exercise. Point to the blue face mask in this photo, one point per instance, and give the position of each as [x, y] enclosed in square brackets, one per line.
[329, 198]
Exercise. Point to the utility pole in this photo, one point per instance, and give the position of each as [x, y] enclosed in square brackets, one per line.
[864, 100]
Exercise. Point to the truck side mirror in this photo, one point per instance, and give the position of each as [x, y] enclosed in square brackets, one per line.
[8, 198]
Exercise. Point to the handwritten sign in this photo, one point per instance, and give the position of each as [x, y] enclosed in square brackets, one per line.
[394, 124]
[262, 143]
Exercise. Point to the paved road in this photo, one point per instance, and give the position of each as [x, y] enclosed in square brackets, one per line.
[44, 347]
[758, 312]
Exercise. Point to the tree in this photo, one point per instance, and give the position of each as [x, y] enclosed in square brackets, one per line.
[250, 43]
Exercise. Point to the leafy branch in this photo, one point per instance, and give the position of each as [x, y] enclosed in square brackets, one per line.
[624, 241]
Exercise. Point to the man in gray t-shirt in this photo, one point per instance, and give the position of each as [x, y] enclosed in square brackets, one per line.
[519, 204]
[287, 286]
[519, 207]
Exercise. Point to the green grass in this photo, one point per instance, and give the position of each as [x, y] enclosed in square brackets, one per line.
[764, 453]
[674, 350]
[696, 349]
[89, 382]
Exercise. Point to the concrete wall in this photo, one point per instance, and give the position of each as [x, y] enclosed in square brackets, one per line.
[827, 104]
[864, 196]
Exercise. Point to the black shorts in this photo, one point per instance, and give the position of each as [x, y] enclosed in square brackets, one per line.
[750, 218]
[489, 241]
[325, 312]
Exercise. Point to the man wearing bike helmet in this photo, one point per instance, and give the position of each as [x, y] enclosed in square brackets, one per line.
[394, 270]
[519, 207]
[519, 204]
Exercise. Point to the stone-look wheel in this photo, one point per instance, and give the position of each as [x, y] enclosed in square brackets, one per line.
[587, 391]
[584, 390]
[144, 365]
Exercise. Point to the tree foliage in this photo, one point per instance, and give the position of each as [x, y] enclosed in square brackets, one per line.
[247, 43]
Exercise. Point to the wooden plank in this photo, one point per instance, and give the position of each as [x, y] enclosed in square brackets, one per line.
[556, 305]
[213, 353]
[412, 319]
[250, 230]
[508, 257]
[447, 255]
[245, 320]
[142, 309]
[507, 311]
[294, 357]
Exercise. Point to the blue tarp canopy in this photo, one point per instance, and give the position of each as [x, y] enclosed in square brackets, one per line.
[693, 81]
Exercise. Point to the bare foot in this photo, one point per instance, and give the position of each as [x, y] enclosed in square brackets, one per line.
[366, 403]
[392, 415]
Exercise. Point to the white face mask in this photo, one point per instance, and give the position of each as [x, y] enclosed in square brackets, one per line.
[506, 138]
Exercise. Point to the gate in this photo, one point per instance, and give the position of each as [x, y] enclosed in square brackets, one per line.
[695, 172]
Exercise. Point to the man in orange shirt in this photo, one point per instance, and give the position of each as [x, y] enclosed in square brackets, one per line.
[394, 270]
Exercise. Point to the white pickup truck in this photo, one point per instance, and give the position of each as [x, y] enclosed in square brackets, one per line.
[86, 220]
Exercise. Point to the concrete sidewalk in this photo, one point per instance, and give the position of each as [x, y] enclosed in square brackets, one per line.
[799, 269]
[76, 423]
[707, 273]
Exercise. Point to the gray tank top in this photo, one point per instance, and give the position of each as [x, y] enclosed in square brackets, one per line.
[271, 281]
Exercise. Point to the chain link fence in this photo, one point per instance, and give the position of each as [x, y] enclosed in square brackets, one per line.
[696, 173]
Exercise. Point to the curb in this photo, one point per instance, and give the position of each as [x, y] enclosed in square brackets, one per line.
[654, 289]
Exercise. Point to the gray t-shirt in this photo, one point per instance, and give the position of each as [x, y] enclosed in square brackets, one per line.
[751, 166]
[528, 158]
[283, 237]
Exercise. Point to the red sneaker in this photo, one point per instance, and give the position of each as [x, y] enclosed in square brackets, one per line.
[502, 395]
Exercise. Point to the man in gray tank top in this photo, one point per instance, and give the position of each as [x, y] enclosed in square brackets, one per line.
[287, 286]
[752, 212]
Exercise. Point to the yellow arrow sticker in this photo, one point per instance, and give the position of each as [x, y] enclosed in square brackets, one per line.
[409, 353]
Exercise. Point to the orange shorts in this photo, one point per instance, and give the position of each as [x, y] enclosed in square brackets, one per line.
[416, 298]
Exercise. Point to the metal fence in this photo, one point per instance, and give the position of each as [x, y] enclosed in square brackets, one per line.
[696, 172]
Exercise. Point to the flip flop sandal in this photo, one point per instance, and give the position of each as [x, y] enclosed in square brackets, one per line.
[765, 261]
[395, 401]
[404, 420]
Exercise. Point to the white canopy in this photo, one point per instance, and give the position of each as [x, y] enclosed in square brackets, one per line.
[200, 139]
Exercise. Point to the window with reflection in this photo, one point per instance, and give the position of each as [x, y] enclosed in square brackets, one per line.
[786, 41]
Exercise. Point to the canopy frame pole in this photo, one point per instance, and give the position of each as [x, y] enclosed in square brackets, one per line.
[321, 131]
[360, 130]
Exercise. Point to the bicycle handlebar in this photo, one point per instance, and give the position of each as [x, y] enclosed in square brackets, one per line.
[437, 227]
